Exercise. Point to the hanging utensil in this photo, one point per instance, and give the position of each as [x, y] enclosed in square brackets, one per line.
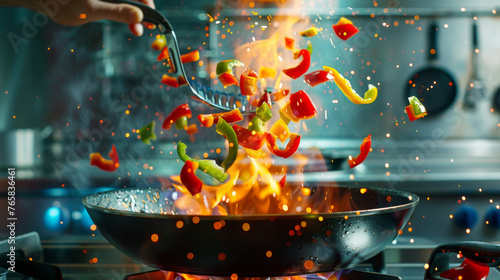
[475, 87]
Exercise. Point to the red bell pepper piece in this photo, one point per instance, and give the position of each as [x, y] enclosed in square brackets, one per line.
[266, 97]
[291, 147]
[190, 57]
[249, 139]
[302, 106]
[169, 81]
[180, 111]
[209, 119]
[289, 43]
[415, 110]
[318, 77]
[227, 79]
[365, 149]
[283, 181]
[468, 270]
[189, 179]
[248, 82]
[109, 165]
[303, 66]
[344, 29]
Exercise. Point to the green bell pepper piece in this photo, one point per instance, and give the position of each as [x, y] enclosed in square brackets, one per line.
[226, 66]
[181, 122]
[256, 124]
[223, 128]
[147, 133]
[208, 166]
[264, 112]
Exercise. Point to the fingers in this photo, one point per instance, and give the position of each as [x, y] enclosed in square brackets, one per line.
[137, 29]
[116, 12]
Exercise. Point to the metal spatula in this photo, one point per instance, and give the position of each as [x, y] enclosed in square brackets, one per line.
[218, 99]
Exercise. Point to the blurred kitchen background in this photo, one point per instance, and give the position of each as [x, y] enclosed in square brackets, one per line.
[66, 92]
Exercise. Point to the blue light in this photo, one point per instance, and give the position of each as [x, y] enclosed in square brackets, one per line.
[56, 219]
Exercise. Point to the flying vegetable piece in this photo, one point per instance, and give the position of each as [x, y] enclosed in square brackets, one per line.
[232, 116]
[159, 42]
[188, 177]
[226, 66]
[318, 77]
[290, 149]
[287, 115]
[169, 81]
[280, 129]
[303, 66]
[109, 165]
[208, 166]
[345, 86]
[364, 150]
[283, 181]
[227, 79]
[289, 43]
[265, 98]
[147, 133]
[255, 153]
[180, 111]
[249, 139]
[181, 122]
[256, 124]
[415, 110]
[310, 32]
[223, 128]
[266, 72]
[191, 129]
[309, 48]
[302, 105]
[280, 94]
[190, 57]
[469, 269]
[344, 29]
[263, 112]
[248, 82]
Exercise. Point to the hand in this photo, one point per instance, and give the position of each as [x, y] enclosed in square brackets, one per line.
[77, 12]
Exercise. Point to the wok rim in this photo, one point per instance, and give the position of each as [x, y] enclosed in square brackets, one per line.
[409, 205]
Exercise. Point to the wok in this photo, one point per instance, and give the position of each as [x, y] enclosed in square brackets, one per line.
[363, 222]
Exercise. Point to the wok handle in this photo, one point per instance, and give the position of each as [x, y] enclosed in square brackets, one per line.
[432, 51]
[484, 253]
[150, 15]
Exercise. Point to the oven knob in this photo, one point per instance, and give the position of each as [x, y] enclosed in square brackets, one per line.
[493, 217]
[466, 217]
[56, 218]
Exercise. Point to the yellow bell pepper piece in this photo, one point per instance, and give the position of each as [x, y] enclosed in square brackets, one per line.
[255, 153]
[287, 115]
[346, 88]
[310, 32]
[266, 72]
[280, 129]
[343, 20]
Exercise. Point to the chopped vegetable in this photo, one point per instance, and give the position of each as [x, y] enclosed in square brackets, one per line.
[266, 72]
[160, 42]
[310, 32]
[256, 124]
[163, 54]
[188, 177]
[191, 129]
[223, 128]
[344, 29]
[310, 48]
[169, 81]
[147, 133]
[255, 153]
[287, 115]
[280, 129]
[209, 119]
[291, 147]
[318, 77]
[415, 110]
[248, 82]
[283, 181]
[264, 112]
[345, 86]
[226, 66]
[302, 106]
[109, 165]
[303, 66]
[179, 112]
[266, 97]
[207, 166]
[190, 57]
[289, 43]
[227, 79]
[249, 139]
[364, 150]
[280, 94]
[181, 122]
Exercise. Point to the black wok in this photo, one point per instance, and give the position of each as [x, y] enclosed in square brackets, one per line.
[363, 222]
